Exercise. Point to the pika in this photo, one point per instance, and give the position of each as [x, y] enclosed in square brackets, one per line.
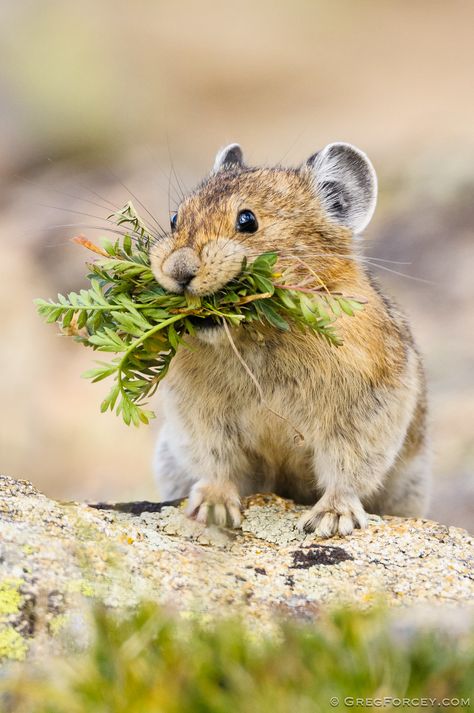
[360, 407]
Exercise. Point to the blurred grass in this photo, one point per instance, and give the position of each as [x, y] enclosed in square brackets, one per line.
[150, 663]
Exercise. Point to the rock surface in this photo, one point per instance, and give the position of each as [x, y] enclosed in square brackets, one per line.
[55, 555]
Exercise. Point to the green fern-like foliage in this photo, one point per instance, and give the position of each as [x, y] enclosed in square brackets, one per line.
[127, 313]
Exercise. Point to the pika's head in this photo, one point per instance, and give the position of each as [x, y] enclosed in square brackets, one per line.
[312, 212]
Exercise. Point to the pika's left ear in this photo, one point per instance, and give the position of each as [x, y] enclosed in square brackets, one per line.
[228, 158]
[345, 183]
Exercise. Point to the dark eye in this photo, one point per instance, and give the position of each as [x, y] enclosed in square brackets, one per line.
[173, 221]
[246, 222]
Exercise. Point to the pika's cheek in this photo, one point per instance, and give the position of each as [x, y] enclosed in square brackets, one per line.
[221, 261]
[158, 255]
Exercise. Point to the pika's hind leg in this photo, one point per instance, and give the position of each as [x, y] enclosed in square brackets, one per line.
[172, 478]
[407, 486]
[369, 460]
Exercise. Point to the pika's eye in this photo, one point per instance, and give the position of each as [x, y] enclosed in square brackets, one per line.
[246, 222]
[173, 221]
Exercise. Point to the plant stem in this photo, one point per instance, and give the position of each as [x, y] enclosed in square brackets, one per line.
[299, 438]
[297, 288]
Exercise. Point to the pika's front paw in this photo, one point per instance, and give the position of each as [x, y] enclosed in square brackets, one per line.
[212, 503]
[334, 516]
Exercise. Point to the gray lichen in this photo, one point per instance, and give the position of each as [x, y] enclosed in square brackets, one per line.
[55, 557]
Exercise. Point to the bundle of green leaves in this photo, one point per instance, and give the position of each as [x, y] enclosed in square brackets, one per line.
[126, 312]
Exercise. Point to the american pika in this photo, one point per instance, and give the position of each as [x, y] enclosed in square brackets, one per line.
[361, 407]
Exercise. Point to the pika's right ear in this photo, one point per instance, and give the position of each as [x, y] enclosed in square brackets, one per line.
[228, 158]
[346, 184]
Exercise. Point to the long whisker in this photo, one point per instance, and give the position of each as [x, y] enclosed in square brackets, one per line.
[87, 226]
[98, 217]
[292, 145]
[105, 205]
[161, 231]
[50, 189]
[344, 256]
[180, 187]
[367, 261]
[169, 195]
[67, 241]
[401, 274]
[391, 262]
[165, 175]
[101, 197]
[372, 262]
[348, 255]
[77, 212]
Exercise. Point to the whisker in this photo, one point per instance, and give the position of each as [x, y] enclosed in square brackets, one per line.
[101, 197]
[372, 262]
[50, 189]
[183, 191]
[105, 205]
[169, 195]
[155, 163]
[348, 256]
[180, 187]
[292, 145]
[67, 241]
[77, 212]
[368, 261]
[344, 256]
[161, 231]
[87, 226]
[391, 262]
[351, 256]
[402, 274]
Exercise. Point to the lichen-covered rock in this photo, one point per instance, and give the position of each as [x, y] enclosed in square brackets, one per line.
[53, 556]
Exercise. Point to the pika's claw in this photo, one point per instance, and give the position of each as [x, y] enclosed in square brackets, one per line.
[212, 503]
[334, 516]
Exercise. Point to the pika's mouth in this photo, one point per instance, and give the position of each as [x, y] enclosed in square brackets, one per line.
[206, 323]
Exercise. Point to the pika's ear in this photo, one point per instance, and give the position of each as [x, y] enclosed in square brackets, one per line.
[228, 158]
[345, 183]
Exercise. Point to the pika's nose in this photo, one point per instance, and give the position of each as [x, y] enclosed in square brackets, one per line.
[182, 265]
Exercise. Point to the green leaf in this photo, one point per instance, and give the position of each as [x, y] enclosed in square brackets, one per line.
[127, 244]
[173, 337]
[264, 284]
[82, 319]
[307, 307]
[265, 261]
[273, 317]
[346, 306]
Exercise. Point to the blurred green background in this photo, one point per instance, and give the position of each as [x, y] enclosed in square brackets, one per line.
[100, 99]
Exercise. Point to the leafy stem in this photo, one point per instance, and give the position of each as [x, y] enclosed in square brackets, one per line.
[135, 344]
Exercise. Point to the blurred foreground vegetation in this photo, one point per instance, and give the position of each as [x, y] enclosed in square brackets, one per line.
[151, 663]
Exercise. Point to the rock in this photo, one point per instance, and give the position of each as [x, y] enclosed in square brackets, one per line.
[55, 556]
